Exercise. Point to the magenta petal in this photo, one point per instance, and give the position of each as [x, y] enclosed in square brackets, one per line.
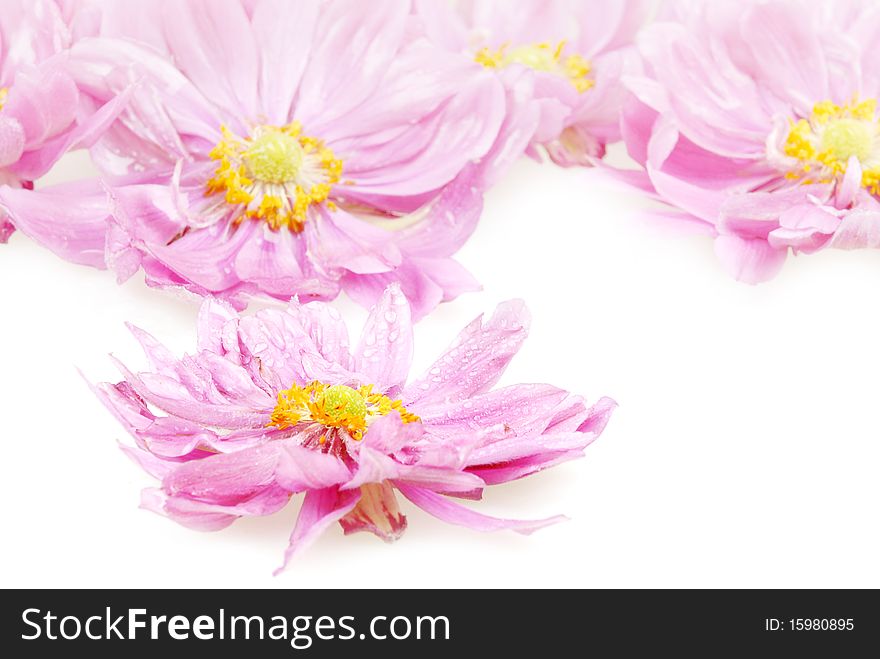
[301, 469]
[203, 516]
[453, 513]
[190, 514]
[515, 469]
[227, 478]
[319, 510]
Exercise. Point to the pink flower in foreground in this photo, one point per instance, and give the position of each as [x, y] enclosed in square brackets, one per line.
[288, 148]
[276, 404]
[560, 61]
[761, 122]
[41, 116]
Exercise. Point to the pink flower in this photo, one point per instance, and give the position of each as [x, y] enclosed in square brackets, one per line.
[279, 148]
[41, 114]
[277, 404]
[760, 121]
[560, 61]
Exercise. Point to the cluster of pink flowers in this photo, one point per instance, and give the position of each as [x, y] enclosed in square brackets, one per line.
[277, 148]
[297, 149]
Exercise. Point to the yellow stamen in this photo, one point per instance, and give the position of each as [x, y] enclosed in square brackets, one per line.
[541, 57]
[334, 406]
[830, 136]
[4, 93]
[275, 175]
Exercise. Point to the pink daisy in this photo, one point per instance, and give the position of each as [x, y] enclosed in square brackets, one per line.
[561, 62]
[276, 404]
[42, 115]
[761, 123]
[278, 148]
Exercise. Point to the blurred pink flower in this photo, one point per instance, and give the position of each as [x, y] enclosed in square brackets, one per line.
[759, 120]
[279, 148]
[276, 404]
[41, 114]
[561, 62]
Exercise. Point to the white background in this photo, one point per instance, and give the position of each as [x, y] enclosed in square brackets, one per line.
[744, 452]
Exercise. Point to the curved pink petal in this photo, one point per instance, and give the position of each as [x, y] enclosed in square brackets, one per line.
[211, 44]
[475, 360]
[70, 220]
[858, 229]
[227, 478]
[454, 513]
[505, 472]
[749, 260]
[319, 510]
[300, 469]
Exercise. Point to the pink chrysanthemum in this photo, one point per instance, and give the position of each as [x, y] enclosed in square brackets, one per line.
[288, 148]
[760, 120]
[276, 404]
[561, 62]
[41, 114]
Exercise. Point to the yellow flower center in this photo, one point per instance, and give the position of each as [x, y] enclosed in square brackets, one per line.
[275, 175]
[334, 406]
[541, 57]
[824, 142]
[274, 156]
[4, 92]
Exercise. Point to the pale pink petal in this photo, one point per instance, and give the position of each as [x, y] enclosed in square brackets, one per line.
[749, 260]
[69, 220]
[388, 434]
[11, 140]
[804, 228]
[283, 58]
[300, 469]
[218, 325]
[348, 64]
[476, 359]
[858, 229]
[213, 46]
[385, 350]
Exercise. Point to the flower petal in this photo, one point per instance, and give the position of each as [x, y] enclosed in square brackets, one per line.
[319, 510]
[376, 512]
[475, 360]
[454, 513]
[749, 260]
[70, 220]
[384, 353]
[301, 469]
